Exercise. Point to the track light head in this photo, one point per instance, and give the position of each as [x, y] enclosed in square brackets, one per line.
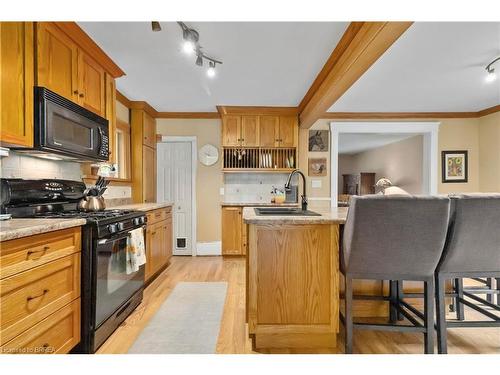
[211, 69]
[199, 59]
[155, 26]
[491, 76]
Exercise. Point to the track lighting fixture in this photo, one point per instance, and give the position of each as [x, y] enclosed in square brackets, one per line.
[155, 26]
[191, 44]
[492, 76]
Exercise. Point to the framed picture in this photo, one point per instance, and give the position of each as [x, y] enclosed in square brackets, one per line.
[454, 166]
[318, 140]
[317, 167]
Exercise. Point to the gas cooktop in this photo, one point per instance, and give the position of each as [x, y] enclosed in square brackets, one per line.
[86, 215]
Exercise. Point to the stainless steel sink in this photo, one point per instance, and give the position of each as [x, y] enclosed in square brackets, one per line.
[283, 211]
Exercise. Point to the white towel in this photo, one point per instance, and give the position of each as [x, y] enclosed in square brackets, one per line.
[136, 250]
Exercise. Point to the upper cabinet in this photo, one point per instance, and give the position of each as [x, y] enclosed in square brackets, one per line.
[60, 57]
[57, 61]
[16, 90]
[259, 138]
[68, 70]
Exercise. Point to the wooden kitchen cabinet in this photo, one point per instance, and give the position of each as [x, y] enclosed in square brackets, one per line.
[16, 90]
[269, 131]
[143, 127]
[231, 131]
[111, 115]
[40, 292]
[92, 89]
[57, 61]
[233, 231]
[288, 134]
[158, 241]
[250, 131]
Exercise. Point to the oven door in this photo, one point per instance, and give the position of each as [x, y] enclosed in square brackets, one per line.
[114, 285]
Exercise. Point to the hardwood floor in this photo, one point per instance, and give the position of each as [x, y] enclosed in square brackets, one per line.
[233, 338]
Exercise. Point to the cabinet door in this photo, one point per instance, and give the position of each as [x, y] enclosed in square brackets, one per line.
[57, 61]
[149, 132]
[16, 88]
[148, 174]
[269, 131]
[231, 130]
[111, 116]
[150, 251]
[168, 237]
[250, 131]
[288, 128]
[91, 77]
[231, 231]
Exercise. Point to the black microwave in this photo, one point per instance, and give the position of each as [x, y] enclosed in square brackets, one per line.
[67, 130]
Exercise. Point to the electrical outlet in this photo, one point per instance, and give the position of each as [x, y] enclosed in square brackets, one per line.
[316, 184]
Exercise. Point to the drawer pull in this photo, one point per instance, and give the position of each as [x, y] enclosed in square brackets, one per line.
[153, 233]
[43, 251]
[45, 291]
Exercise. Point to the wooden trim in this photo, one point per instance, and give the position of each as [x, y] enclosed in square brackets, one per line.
[489, 111]
[123, 99]
[188, 115]
[370, 42]
[90, 47]
[342, 45]
[253, 110]
[396, 115]
[142, 105]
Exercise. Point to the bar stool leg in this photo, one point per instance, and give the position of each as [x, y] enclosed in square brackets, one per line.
[393, 296]
[399, 284]
[459, 289]
[429, 316]
[498, 290]
[489, 285]
[441, 315]
[348, 316]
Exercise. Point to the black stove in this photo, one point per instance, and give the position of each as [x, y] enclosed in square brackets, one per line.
[109, 292]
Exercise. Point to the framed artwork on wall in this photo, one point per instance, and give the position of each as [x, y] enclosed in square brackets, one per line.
[454, 166]
[317, 167]
[318, 140]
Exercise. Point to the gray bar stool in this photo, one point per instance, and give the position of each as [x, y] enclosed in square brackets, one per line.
[472, 250]
[394, 238]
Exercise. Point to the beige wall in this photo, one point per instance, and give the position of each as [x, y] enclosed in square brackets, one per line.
[489, 153]
[401, 162]
[460, 134]
[208, 179]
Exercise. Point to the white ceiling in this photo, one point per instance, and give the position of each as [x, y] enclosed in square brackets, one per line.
[431, 67]
[350, 144]
[270, 64]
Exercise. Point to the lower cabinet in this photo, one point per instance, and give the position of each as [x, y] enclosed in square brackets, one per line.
[40, 293]
[233, 231]
[158, 241]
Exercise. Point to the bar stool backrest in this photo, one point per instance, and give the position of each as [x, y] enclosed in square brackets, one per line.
[473, 241]
[395, 235]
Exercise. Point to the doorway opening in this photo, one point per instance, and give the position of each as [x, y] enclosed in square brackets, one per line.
[346, 137]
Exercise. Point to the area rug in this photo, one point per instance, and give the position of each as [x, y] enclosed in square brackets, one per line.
[188, 322]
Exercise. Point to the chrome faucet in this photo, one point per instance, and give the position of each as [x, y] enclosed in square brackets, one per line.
[287, 187]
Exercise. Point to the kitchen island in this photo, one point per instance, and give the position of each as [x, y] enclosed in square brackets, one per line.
[293, 279]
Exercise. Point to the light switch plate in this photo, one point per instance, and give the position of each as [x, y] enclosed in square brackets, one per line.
[316, 184]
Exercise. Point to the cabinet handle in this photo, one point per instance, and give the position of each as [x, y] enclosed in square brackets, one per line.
[45, 291]
[75, 92]
[44, 250]
[153, 233]
[81, 95]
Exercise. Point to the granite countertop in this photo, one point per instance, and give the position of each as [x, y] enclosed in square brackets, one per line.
[142, 206]
[329, 215]
[17, 228]
[258, 204]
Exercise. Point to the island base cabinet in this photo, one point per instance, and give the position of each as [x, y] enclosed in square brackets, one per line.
[293, 296]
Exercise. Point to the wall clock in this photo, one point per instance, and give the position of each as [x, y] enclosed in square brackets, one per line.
[208, 155]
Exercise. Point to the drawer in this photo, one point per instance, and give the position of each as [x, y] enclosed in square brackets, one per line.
[57, 333]
[158, 215]
[24, 253]
[30, 296]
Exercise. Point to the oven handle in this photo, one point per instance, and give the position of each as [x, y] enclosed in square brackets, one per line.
[118, 237]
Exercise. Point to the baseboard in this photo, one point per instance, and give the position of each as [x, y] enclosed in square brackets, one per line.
[209, 248]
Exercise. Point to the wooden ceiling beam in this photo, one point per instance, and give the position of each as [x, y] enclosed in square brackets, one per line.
[360, 46]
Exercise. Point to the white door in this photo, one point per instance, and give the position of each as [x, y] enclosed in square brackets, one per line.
[174, 185]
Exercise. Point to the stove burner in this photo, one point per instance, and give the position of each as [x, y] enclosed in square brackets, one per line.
[84, 215]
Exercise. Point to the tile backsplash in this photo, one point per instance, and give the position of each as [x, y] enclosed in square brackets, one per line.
[22, 166]
[251, 187]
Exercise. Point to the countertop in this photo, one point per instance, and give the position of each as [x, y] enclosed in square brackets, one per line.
[142, 206]
[17, 228]
[258, 204]
[329, 215]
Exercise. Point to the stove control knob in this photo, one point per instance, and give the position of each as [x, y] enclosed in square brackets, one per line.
[121, 226]
[112, 228]
[143, 220]
[137, 221]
